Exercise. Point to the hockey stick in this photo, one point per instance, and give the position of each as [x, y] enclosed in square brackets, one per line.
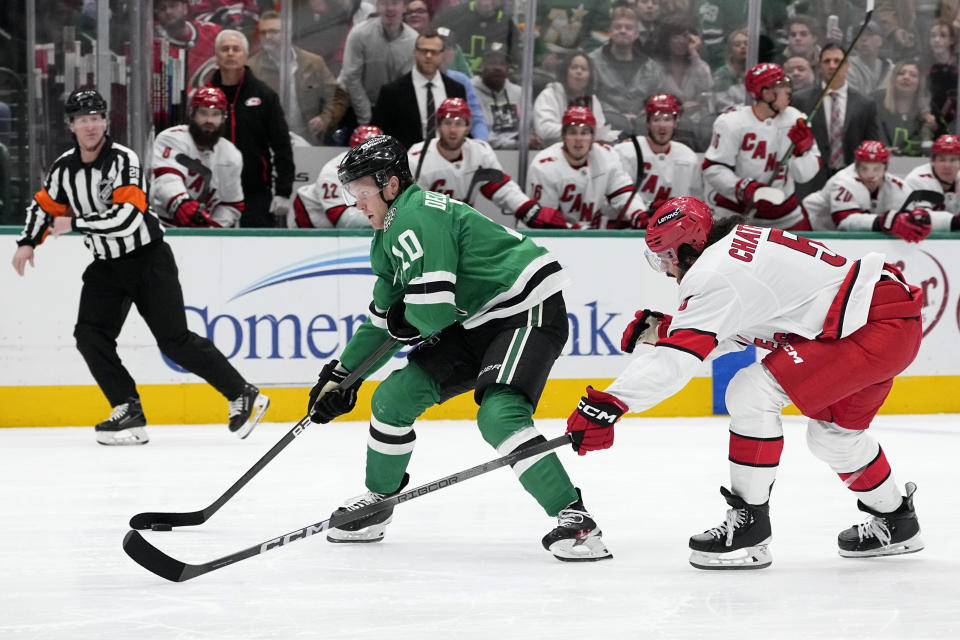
[935, 198]
[641, 169]
[423, 154]
[197, 167]
[483, 175]
[190, 518]
[156, 561]
[826, 88]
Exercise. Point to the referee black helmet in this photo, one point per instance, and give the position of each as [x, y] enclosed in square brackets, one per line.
[84, 102]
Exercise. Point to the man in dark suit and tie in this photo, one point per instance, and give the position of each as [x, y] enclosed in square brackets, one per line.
[845, 119]
[406, 107]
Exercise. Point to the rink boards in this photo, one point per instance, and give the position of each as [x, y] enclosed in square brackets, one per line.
[281, 303]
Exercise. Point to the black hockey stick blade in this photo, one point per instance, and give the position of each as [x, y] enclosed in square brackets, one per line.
[933, 198]
[190, 518]
[200, 169]
[483, 175]
[156, 561]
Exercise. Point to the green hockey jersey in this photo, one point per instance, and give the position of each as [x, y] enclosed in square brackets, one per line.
[449, 263]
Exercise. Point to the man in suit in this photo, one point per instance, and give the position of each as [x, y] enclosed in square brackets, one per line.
[406, 108]
[845, 119]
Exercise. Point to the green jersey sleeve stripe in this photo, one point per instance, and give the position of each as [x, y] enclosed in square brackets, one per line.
[428, 287]
[435, 297]
[434, 276]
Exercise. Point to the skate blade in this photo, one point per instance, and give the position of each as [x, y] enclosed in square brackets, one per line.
[589, 549]
[757, 557]
[373, 533]
[125, 438]
[912, 545]
[260, 405]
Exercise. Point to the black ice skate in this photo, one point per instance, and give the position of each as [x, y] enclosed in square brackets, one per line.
[369, 528]
[125, 426]
[740, 542]
[246, 410]
[883, 534]
[576, 538]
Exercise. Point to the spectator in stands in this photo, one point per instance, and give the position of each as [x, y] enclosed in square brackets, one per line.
[800, 72]
[940, 175]
[801, 40]
[500, 101]
[688, 78]
[321, 26]
[903, 107]
[318, 102]
[898, 21]
[418, 15]
[256, 125]
[625, 75]
[728, 86]
[868, 69]
[376, 53]
[942, 75]
[648, 24]
[568, 26]
[576, 80]
[480, 25]
[407, 107]
[845, 119]
[195, 38]
[199, 8]
[449, 67]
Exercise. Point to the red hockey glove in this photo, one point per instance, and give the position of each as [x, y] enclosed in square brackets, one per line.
[912, 226]
[591, 425]
[538, 217]
[191, 214]
[647, 327]
[802, 138]
[639, 219]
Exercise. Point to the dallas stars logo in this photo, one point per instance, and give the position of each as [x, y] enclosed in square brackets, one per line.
[388, 219]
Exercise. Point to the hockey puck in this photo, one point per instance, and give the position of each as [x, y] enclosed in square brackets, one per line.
[161, 526]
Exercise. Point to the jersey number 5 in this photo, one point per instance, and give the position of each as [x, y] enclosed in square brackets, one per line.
[807, 246]
[411, 248]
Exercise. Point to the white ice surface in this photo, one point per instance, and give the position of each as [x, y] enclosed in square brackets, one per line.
[464, 562]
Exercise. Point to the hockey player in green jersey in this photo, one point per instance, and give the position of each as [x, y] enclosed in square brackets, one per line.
[489, 301]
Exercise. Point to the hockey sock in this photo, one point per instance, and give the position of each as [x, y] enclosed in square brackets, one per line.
[505, 419]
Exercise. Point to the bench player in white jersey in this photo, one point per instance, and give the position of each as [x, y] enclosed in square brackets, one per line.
[940, 175]
[866, 197]
[837, 330]
[671, 168]
[452, 160]
[320, 205]
[740, 172]
[583, 179]
[181, 195]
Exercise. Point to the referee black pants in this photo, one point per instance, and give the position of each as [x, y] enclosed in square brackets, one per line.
[147, 277]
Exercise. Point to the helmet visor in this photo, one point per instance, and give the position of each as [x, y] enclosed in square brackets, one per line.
[359, 190]
[660, 261]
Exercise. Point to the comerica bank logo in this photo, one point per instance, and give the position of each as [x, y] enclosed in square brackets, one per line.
[333, 263]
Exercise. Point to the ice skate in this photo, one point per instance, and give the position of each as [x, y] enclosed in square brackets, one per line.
[246, 410]
[576, 537]
[125, 426]
[369, 528]
[883, 534]
[739, 542]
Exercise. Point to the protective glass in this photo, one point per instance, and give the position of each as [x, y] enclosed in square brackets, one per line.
[354, 191]
[661, 261]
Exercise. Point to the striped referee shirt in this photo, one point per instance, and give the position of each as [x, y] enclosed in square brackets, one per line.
[106, 197]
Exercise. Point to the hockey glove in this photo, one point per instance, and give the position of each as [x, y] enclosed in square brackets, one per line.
[647, 327]
[327, 398]
[279, 206]
[802, 137]
[539, 217]
[398, 327]
[191, 214]
[591, 425]
[912, 226]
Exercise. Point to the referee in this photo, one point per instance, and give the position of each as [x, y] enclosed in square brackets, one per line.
[101, 182]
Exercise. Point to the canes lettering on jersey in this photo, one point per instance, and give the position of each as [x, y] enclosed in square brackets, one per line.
[666, 175]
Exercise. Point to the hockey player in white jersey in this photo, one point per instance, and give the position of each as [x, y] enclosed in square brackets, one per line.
[320, 205]
[671, 168]
[940, 175]
[196, 172]
[837, 330]
[583, 179]
[452, 160]
[740, 171]
[866, 197]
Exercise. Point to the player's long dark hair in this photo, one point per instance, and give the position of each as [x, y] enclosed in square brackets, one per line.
[687, 255]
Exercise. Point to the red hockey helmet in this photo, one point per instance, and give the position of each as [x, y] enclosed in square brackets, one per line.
[871, 151]
[947, 144]
[579, 116]
[663, 103]
[209, 97]
[363, 132]
[678, 221]
[454, 108]
[761, 76]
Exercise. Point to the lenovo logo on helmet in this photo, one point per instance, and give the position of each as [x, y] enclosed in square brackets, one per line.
[667, 217]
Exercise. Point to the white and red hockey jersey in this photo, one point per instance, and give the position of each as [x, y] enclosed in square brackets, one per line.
[745, 148]
[666, 175]
[320, 205]
[755, 286]
[846, 204]
[587, 195]
[453, 178]
[174, 183]
[923, 178]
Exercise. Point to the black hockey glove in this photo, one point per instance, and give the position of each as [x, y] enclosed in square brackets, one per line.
[327, 398]
[398, 327]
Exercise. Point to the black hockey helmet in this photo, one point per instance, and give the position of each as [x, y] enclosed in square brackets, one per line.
[378, 157]
[84, 102]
